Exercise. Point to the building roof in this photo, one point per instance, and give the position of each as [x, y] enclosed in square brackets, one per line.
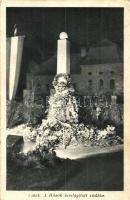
[49, 66]
[104, 51]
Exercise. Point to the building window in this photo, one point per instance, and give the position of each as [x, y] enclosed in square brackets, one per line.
[101, 83]
[100, 73]
[48, 87]
[89, 73]
[112, 84]
[112, 72]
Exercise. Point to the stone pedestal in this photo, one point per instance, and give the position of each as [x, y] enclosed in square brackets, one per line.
[63, 56]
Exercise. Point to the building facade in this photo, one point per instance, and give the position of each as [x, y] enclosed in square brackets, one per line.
[101, 72]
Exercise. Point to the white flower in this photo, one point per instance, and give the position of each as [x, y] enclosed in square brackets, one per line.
[59, 133]
[91, 131]
[54, 137]
[46, 132]
[102, 134]
[112, 128]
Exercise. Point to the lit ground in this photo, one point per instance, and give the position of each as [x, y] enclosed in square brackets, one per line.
[80, 152]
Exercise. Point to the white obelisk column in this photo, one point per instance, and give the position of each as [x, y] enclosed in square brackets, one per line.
[63, 54]
[16, 50]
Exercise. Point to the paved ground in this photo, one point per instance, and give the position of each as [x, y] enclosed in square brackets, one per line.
[103, 171]
[100, 173]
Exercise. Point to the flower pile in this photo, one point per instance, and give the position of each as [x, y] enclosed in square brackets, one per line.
[63, 134]
[61, 128]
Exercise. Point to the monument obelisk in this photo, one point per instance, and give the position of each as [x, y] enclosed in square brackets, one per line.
[63, 54]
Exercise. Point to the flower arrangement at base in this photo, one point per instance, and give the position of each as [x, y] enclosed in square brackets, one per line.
[62, 123]
[62, 128]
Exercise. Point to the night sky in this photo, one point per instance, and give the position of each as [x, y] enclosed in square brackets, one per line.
[42, 26]
[85, 26]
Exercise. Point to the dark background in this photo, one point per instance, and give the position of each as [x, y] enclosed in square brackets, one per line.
[85, 26]
[42, 26]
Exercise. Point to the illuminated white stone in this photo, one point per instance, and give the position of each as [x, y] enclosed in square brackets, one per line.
[63, 35]
[63, 55]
